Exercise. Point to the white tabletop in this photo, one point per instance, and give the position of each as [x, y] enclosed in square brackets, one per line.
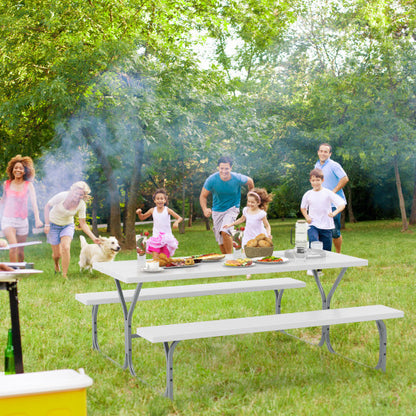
[7, 276]
[128, 271]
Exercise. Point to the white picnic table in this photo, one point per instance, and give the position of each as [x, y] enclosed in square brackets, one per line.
[129, 272]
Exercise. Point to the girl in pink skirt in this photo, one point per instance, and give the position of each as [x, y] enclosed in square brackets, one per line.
[162, 240]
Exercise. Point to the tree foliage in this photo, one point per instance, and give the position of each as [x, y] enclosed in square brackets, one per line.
[121, 85]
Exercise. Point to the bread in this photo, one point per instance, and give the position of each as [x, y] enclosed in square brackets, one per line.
[264, 243]
[260, 237]
[163, 261]
[252, 243]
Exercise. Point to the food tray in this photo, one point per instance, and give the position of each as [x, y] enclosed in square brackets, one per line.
[284, 260]
[184, 266]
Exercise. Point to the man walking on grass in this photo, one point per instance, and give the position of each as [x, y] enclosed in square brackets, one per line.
[335, 180]
[225, 187]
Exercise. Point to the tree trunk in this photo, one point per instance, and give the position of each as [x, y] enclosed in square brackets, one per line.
[412, 219]
[182, 224]
[94, 216]
[124, 214]
[131, 204]
[207, 223]
[400, 194]
[343, 220]
[191, 211]
[349, 205]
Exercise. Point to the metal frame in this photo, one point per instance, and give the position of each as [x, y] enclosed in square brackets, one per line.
[128, 316]
[11, 287]
[169, 350]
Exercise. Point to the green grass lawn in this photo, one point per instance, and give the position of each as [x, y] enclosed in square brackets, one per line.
[260, 374]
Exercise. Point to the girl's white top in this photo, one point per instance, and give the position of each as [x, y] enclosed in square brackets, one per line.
[319, 205]
[161, 222]
[254, 225]
[162, 232]
[59, 215]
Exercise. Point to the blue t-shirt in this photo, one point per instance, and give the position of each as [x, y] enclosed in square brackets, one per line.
[333, 172]
[225, 194]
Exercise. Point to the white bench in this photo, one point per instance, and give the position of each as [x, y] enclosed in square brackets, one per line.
[94, 299]
[279, 322]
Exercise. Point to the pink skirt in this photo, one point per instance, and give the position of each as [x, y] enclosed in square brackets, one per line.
[163, 243]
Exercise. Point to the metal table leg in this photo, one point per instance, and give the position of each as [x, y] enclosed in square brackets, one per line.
[279, 295]
[326, 304]
[128, 316]
[169, 367]
[11, 287]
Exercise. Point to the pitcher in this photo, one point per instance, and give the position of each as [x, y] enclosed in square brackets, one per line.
[301, 236]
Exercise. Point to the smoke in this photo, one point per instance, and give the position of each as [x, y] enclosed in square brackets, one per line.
[65, 163]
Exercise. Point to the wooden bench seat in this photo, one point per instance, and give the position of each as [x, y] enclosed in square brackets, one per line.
[94, 299]
[193, 330]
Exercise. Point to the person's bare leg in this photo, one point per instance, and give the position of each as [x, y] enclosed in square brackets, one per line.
[337, 243]
[21, 250]
[227, 242]
[10, 234]
[66, 254]
[56, 255]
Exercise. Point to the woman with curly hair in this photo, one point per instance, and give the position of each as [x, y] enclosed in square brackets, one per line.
[14, 204]
[60, 226]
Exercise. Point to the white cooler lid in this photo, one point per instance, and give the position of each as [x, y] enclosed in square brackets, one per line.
[43, 382]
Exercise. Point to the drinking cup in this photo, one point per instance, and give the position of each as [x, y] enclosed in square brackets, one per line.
[317, 245]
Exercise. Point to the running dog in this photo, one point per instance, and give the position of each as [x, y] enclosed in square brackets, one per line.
[91, 253]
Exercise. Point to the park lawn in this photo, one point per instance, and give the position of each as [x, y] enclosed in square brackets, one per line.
[258, 374]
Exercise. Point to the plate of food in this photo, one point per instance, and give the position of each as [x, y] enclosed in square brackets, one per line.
[239, 263]
[210, 257]
[180, 263]
[272, 260]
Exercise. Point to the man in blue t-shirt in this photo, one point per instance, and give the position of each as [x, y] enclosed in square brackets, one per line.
[335, 179]
[225, 187]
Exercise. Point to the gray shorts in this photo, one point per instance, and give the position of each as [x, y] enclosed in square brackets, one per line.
[222, 218]
[21, 225]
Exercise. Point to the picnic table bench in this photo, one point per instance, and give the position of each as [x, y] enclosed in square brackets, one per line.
[95, 299]
[175, 333]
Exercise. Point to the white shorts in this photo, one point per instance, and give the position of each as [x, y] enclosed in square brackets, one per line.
[220, 219]
[21, 225]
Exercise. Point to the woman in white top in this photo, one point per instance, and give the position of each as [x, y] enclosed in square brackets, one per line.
[59, 222]
[255, 215]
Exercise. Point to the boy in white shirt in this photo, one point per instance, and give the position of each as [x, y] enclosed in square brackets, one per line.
[316, 207]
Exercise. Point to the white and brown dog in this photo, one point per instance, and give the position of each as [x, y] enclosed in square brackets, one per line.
[91, 253]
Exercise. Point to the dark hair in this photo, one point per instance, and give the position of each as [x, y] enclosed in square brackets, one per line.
[265, 197]
[326, 144]
[225, 159]
[160, 191]
[28, 167]
[318, 173]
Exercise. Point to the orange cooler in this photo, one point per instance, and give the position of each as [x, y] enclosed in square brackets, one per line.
[46, 393]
